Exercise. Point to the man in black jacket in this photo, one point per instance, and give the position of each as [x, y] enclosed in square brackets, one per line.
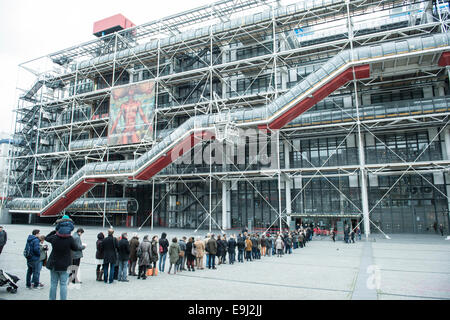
[241, 247]
[231, 249]
[59, 260]
[109, 247]
[211, 248]
[124, 256]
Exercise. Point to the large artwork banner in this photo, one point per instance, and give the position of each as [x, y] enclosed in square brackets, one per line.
[131, 113]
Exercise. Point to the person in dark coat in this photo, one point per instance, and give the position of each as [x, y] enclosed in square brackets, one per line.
[59, 260]
[116, 266]
[163, 248]
[241, 248]
[109, 247]
[219, 248]
[99, 256]
[64, 226]
[352, 235]
[211, 248]
[441, 229]
[231, 249]
[134, 244]
[190, 257]
[34, 250]
[269, 245]
[154, 254]
[3, 239]
[124, 256]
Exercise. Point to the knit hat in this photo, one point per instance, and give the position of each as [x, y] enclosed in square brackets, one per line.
[65, 217]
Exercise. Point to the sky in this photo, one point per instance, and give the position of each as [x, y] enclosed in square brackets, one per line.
[31, 29]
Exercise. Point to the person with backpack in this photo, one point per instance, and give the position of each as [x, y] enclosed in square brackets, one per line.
[59, 260]
[241, 248]
[124, 256]
[163, 248]
[3, 238]
[32, 253]
[174, 255]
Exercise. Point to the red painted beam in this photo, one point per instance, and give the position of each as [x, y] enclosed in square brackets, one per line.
[189, 142]
[173, 154]
[81, 188]
[361, 72]
[444, 60]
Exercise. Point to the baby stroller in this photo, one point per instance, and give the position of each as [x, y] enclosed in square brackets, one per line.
[9, 281]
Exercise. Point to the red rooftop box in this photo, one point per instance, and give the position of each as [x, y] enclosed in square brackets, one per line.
[112, 24]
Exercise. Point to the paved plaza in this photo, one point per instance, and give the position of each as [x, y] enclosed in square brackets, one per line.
[404, 267]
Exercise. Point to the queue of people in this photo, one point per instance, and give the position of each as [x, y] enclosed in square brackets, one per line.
[118, 257]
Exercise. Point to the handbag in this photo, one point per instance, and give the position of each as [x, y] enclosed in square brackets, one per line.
[50, 265]
[181, 254]
[194, 250]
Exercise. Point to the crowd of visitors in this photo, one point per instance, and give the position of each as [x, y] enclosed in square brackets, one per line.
[117, 257]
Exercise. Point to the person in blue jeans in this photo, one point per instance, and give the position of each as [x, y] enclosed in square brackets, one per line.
[241, 247]
[163, 248]
[59, 260]
[208, 236]
[109, 246]
[33, 250]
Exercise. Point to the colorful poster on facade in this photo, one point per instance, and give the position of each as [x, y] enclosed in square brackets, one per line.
[131, 114]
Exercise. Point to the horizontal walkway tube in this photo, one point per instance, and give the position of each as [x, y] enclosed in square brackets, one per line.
[329, 77]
